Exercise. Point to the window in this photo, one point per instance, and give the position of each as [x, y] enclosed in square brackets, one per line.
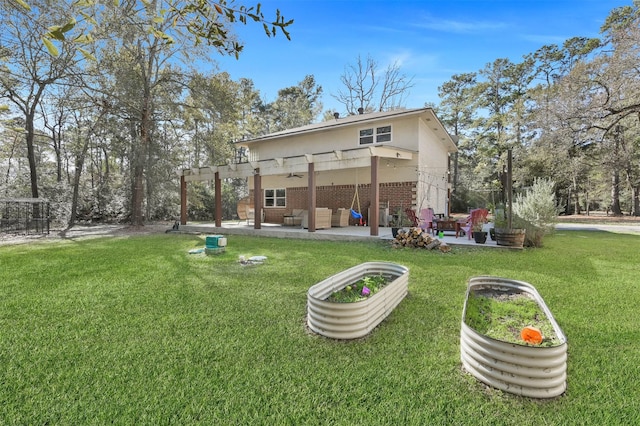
[275, 197]
[383, 134]
[380, 135]
[366, 136]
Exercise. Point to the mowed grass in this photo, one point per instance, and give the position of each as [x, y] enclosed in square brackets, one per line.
[137, 331]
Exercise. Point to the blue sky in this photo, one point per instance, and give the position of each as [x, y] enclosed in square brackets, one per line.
[430, 39]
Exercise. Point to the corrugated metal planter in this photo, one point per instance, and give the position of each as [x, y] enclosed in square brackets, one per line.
[531, 371]
[356, 319]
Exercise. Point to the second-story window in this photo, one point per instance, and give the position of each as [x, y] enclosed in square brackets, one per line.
[375, 135]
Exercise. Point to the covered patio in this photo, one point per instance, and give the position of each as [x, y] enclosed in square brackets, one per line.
[328, 162]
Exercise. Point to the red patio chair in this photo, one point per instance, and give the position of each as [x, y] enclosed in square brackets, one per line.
[475, 216]
[415, 222]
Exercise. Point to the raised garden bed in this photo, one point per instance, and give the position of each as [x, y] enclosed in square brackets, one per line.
[499, 357]
[352, 320]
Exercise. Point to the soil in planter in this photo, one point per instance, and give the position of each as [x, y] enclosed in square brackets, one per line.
[503, 315]
[354, 292]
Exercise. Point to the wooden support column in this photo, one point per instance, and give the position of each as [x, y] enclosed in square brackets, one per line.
[312, 197]
[183, 201]
[509, 189]
[218, 199]
[257, 199]
[375, 198]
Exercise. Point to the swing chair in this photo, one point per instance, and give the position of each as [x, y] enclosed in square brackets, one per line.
[356, 214]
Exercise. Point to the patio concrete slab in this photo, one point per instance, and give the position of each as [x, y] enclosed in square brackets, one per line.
[349, 233]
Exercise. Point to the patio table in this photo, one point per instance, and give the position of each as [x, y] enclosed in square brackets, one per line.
[446, 225]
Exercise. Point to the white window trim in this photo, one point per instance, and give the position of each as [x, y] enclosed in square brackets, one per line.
[275, 198]
[375, 134]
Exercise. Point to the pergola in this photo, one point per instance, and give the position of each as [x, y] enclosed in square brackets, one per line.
[309, 163]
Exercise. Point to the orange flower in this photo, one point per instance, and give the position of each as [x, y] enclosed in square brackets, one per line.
[531, 335]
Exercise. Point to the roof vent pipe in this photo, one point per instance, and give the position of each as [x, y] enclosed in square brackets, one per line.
[360, 110]
[336, 115]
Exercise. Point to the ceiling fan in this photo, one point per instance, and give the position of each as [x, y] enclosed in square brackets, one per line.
[292, 175]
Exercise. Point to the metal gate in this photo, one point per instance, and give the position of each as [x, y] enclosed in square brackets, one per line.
[24, 215]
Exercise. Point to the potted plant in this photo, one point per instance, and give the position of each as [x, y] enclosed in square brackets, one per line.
[506, 234]
[400, 220]
[479, 235]
[497, 221]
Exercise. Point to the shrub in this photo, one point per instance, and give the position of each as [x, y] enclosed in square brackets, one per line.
[537, 211]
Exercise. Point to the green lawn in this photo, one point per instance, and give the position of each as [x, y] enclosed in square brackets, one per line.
[138, 331]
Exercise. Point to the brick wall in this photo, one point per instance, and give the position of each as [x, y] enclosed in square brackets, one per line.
[341, 196]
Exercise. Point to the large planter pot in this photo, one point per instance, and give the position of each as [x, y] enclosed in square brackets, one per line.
[510, 237]
[531, 371]
[356, 319]
[480, 237]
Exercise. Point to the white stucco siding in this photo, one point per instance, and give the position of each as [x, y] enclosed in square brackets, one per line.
[404, 134]
[433, 170]
[407, 133]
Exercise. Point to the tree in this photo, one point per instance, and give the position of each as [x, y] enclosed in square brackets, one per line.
[144, 34]
[456, 110]
[604, 90]
[27, 70]
[561, 146]
[296, 105]
[366, 89]
[212, 114]
[144, 47]
[84, 129]
[495, 96]
[619, 80]
[207, 22]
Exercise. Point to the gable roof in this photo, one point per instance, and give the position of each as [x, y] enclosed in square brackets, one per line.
[360, 119]
[331, 160]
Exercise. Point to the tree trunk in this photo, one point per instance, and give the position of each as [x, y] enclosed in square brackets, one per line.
[634, 186]
[576, 197]
[31, 155]
[137, 193]
[79, 165]
[615, 193]
[142, 149]
[635, 200]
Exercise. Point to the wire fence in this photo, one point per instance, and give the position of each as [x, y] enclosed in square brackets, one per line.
[25, 216]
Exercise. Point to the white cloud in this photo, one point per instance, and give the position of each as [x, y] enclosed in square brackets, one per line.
[459, 27]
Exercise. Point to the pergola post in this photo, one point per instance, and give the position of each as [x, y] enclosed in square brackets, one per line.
[183, 201]
[312, 197]
[257, 199]
[218, 199]
[375, 198]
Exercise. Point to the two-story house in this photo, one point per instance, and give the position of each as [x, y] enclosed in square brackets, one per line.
[384, 160]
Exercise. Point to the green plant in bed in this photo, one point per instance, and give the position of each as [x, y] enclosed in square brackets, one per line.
[361, 289]
[503, 316]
